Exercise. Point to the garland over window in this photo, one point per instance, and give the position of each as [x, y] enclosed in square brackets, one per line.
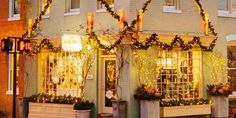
[153, 40]
[38, 19]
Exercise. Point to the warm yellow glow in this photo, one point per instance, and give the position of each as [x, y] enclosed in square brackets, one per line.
[140, 20]
[71, 42]
[206, 24]
[122, 19]
[175, 73]
[90, 22]
[44, 2]
[29, 27]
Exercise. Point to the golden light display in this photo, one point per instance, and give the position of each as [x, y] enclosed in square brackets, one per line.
[122, 19]
[29, 27]
[176, 74]
[140, 20]
[90, 22]
[206, 25]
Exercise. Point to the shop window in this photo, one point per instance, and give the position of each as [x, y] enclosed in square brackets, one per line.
[10, 75]
[44, 2]
[101, 7]
[14, 10]
[176, 74]
[172, 6]
[72, 7]
[231, 55]
[227, 8]
[61, 73]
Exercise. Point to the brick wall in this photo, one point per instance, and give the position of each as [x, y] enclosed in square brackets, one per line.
[10, 28]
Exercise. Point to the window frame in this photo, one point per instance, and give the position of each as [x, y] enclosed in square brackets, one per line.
[228, 12]
[103, 9]
[69, 10]
[172, 9]
[228, 39]
[13, 16]
[10, 76]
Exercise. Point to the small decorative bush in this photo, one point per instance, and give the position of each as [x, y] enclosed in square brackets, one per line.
[83, 105]
[147, 93]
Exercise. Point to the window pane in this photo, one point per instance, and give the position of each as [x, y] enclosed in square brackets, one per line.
[231, 53]
[223, 5]
[100, 6]
[234, 6]
[75, 4]
[16, 7]
[170, 2]
[232, 75]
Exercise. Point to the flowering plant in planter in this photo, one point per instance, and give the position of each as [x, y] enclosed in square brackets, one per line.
[147, 93]
[222, 89]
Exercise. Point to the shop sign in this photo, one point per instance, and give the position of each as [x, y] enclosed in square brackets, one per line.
[71, 42]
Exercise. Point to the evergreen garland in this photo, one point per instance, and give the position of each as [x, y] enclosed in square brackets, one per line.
[153, 39]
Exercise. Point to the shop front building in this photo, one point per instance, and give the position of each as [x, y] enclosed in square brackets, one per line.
[174, 49]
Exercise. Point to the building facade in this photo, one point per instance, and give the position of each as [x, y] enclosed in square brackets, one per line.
[12, 23]
[167, 18]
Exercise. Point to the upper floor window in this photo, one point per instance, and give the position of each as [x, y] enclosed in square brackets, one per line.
[227, 8]
[101, 7]
[172, 6]
[14, 10]
[44, 3]
[72, 7]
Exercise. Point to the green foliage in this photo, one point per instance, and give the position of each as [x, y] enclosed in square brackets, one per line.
[45, 98]
[183, 102]
[147, 93]
[83, 105]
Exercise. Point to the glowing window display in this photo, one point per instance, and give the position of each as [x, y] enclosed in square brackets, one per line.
[176, 74]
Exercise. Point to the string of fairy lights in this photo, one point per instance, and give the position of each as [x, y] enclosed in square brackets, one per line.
[45, 42]
[153, 40]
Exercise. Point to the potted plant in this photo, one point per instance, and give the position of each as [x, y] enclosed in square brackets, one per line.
[219, 95]
[149, 101]
[83, 109]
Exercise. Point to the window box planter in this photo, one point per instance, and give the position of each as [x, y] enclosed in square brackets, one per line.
[49, 110]
[149, 109]
[173, 111]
